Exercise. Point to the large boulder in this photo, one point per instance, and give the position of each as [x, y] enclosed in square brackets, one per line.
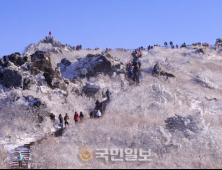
[90, 90]
[35, 102]
[66, 62]
[28, 82]
[100, 63]
[14, 58]
[56, 83]
[219, 44]
[12, 78]
[42, 61]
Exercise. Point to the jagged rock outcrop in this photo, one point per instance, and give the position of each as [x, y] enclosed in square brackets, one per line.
[219, 44]
[200, 51]
[187, 125]
[49, 44]
[28, 82]
[42, 61]
[35, 102]
[90, 90]
[12, 78]
[94, 64]
[14, 58]
[203, 81]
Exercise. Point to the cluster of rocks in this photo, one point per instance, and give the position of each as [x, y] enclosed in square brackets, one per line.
[49, 44]
[35, 102]
[219, 44]
[203, 81]
[17, 71]
[93, 65]
[187, 125]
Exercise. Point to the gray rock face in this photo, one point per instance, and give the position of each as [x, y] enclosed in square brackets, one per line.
[192, 124]
[94, 64]
[66, 62]
[219, 44]
[90, 90]
[12, 79]
[51, 40]
[35, 102]
[14, 58]
[57, 83]
[42, 61]
[200, 51]
[28, 81]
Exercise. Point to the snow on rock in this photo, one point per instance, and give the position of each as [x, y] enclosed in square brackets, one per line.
[49, 44]
[203, 81]
[56, 79]
[92, 65]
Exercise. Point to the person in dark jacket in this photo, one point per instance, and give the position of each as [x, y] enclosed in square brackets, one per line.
[108, 94]
[61, 120]
[81, 117]
[97, 104]
[52, 117]
[66, 118]
[136, 73]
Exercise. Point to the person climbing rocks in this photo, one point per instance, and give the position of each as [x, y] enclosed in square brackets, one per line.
[156, 69]
[108, 94]
[98, 114]
[52, 117]
[76, 117]
[92, 114]
[97, 105]
[81, 117]
[136, 73]
[61, 121]
[20, 159]
[130, 69]
[66, 118]
[50, 33]
[139, 55]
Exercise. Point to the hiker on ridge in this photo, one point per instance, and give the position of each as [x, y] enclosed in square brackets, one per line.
[61, 121]
[81, 117]
[76, 117]
[66, 118]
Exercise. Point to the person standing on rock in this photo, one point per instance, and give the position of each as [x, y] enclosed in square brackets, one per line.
[61, 121]
[66, 118]
[81, 117]
[50, 33]
[97, 104]
[108, 94]
[20, 160]
[52, 117]
[76, 117]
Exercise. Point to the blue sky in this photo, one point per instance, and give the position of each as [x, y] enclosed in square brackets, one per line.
[108, 23]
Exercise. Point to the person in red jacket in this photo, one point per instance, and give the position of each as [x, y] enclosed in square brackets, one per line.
[50, 33]
[76, 117]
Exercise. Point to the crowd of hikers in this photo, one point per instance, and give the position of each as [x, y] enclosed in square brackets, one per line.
[78, 118]
[135, 65]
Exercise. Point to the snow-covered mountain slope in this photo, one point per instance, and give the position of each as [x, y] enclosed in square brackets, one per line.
[178, 118]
